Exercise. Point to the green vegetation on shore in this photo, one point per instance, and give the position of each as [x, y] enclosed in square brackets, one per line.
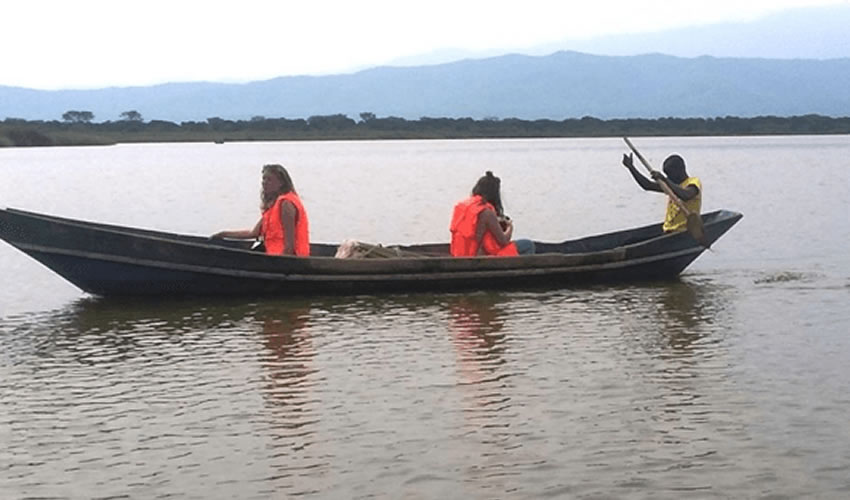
[78, 130]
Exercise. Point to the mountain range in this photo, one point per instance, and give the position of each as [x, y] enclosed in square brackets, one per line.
[558, 85]
[814, 32]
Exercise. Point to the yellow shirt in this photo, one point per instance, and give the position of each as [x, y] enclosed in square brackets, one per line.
[675, 219]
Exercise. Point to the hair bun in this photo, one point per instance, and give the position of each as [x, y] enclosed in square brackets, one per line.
[489, 173]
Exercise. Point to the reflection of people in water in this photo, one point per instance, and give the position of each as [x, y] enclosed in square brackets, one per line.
[290, 351]
[475, 323]
[290, 375]
[687, 314]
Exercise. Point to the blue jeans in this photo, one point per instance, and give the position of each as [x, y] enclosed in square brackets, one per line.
[524, 247]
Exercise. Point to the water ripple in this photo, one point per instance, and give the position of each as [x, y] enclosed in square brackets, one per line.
[610, 391]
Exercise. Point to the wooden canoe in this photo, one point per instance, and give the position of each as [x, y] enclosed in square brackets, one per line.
[108, 260]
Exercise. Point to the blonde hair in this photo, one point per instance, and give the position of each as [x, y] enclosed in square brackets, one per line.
[286, 185]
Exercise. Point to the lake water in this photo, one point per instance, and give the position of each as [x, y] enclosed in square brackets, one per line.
[732, 382]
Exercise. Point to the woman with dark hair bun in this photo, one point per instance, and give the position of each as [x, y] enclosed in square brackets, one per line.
[480, 227]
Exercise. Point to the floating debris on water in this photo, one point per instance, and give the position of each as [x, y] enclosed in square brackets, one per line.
[784, 277]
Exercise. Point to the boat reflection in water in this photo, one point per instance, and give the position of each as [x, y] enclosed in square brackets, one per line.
[682, 318]
[217, 384]
[676, 335]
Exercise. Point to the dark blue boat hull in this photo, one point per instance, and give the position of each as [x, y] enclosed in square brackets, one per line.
[112, 260]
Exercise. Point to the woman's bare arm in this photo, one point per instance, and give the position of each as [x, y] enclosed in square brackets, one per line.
[240, 233]
[487, 221]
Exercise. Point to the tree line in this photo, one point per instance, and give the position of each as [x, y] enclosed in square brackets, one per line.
[79, 128]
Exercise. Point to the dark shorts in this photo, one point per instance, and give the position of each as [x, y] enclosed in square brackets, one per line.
[524, 247]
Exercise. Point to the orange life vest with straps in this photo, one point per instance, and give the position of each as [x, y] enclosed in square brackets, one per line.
[272, 227]
[463, 228]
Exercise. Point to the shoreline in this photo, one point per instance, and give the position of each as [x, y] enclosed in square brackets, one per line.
[23, 133]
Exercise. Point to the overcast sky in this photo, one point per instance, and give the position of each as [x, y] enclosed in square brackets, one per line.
[50, 44]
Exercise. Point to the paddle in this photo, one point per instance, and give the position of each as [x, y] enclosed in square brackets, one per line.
[695, 226]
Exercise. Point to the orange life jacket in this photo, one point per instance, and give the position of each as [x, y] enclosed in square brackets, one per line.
[272, 227]
[464, 225]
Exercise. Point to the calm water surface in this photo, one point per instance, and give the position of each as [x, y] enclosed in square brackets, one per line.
[731, 382]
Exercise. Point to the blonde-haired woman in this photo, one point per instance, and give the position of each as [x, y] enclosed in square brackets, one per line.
[283, 225]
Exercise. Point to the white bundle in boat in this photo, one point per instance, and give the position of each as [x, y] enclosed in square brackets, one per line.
[353, 249]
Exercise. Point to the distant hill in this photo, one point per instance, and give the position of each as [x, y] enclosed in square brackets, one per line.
[818, 32]
[557, 86]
